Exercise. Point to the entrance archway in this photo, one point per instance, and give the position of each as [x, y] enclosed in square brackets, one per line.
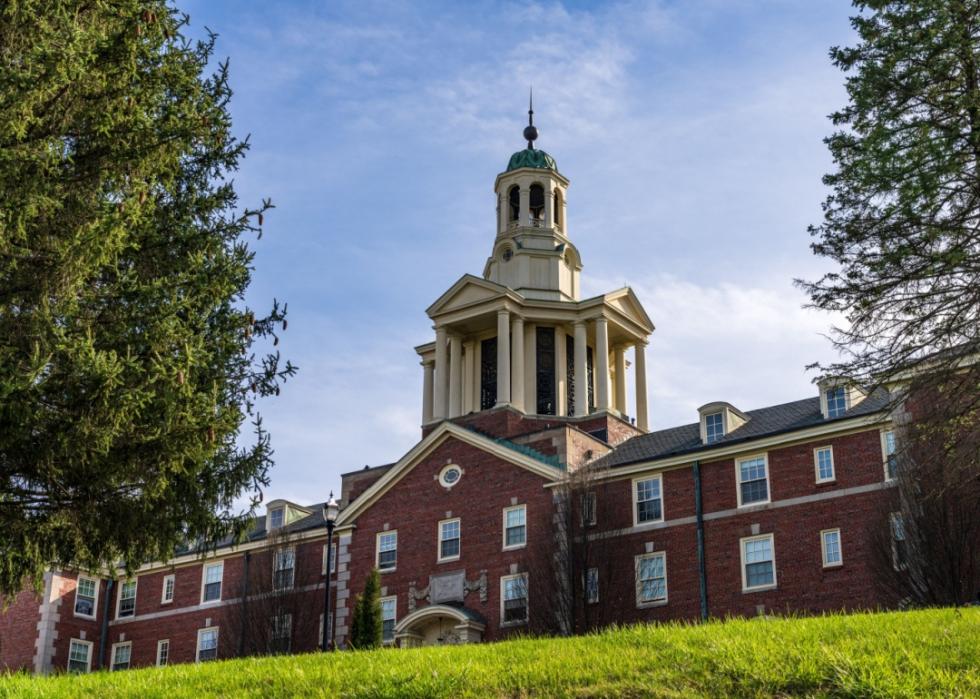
[438, 625]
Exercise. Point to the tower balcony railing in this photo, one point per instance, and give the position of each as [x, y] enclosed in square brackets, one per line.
[531, 222]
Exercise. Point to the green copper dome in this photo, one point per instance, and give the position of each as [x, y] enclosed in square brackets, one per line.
[531, 157]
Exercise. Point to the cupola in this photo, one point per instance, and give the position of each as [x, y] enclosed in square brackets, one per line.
[532, 253]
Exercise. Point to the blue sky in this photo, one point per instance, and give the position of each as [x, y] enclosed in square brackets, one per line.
[691, 132]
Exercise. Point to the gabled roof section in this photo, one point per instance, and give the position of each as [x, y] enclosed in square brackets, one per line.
[512, 453]
[469, 290]
[626, 302]
[764, 422]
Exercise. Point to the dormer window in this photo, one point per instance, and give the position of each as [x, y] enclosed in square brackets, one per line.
[719, 419]
[836, 401]
[276, 517]
[837, 396]
[714, 427]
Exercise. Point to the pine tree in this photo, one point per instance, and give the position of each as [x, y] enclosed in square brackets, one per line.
[128, 359]
[903, 224]
[903, 219]
[366, 623]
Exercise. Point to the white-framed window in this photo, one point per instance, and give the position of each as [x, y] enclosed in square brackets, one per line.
[753, 480]
[836, 401]
[889, 450]
[121, 655]
[283, 569]
[207, 644]
[513, 599]
[823, 464]
[648, 500]
[899, 545]
[280, 633]
[449, 538]
[79, 656]
[515, 527]
[588, 509]
[86, 597]
[126, 602]
[319, 631]
[450, 475]
[333, 559]
[389, 611]
[830, 548]
[592, 586]
[277, 517]
[169, 584]
[714, 427]
[163, 652]
[211, 577]
[387, 555]
[651, 579]
[758, 563]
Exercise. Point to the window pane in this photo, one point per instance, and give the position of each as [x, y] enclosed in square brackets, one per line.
[825, 464]
[836, 402]
[713, 427]
[758, 574]
[516, 535]
[212, 591]
[515, 517]
[831, 546]
[755, 491]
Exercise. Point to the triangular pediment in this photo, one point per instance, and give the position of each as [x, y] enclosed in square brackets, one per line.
[418, 453]
[469, 290]
[626, 302]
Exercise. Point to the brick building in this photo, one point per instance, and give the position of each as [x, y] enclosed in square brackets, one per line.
[536, 500]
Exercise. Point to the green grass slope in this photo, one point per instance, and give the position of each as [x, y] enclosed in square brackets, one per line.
[913, 654]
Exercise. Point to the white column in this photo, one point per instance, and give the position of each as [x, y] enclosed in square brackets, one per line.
[441, 396]
[640, 362]
[561, 372]
[517, 356]
[455, 376]
[620, 355]
[524, 216]
[467, 376]
[601, 364]
[427, 368]
[581, 370]
[503, 357]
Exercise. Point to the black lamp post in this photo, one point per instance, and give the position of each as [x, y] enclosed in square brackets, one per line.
[330, 510]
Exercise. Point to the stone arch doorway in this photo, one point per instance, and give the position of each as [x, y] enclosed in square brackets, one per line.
[439, 625]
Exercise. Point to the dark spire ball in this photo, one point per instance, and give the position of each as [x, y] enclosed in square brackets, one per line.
[530, 133]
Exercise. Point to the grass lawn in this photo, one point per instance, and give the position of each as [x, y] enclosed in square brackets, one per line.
[911, 654]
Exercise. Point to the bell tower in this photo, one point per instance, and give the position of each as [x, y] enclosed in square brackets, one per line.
[521, 339]
[532, 253]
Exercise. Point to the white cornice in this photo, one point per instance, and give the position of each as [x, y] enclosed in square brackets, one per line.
[725, 451]
[440, 434]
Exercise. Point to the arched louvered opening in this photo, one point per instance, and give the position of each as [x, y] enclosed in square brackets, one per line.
[537, 204]
[514, 199]
[557, 209]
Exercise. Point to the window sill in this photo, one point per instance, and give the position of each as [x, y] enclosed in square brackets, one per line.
[830, 481]
[207, 602]
[754, 505]
[515, 547]
[90, 617]
[454, 559]
[762, 588]
[833, 566]
[166, 602]
[650, 605]
[512, 624]
[382, 571]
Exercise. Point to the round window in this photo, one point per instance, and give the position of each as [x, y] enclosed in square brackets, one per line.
[450, 475]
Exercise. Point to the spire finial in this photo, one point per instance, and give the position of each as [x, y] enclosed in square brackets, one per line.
[530, 133]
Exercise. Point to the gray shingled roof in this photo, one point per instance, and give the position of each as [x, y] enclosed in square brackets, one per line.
[763, 422]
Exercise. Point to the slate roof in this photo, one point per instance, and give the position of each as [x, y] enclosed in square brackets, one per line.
[764, 422]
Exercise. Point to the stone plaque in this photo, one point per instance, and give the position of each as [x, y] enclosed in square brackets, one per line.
[448, 587]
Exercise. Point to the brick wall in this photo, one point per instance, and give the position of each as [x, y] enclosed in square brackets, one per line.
[18, 629]
[416, 504]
